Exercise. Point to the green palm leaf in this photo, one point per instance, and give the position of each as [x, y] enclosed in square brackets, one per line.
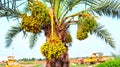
[7, 12]
[9, 9]
[104, 34]
[33, 38]
[72, 3]
[69, 5]
[12, 32]
[105, 7]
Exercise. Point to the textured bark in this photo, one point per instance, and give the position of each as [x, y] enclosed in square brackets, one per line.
[47, 31]
[62, 61]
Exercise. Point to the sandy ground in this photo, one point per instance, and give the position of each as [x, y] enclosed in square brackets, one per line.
[43, 63]
[31, 65]
[27, 65]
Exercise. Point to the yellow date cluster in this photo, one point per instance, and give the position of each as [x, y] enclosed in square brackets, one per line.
[38, 16]
[30, 24]
[86, 23]
[53, 48]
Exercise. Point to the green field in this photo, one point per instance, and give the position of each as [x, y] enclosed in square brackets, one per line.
[38, 65]
[80, 65]
[1, 65]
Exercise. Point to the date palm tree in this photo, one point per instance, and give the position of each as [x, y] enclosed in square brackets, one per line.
[54, 17]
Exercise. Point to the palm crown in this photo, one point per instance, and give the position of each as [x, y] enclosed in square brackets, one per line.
[61, 16]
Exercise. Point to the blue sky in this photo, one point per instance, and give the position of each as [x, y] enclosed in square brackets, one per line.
[78, 48]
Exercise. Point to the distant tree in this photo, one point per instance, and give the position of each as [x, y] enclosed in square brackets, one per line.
[39, 59]
[32, 59]
[24, 59]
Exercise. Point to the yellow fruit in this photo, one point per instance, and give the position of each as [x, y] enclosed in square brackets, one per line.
[39, 16]
[86, 23]
[30, 24]
[53, 48]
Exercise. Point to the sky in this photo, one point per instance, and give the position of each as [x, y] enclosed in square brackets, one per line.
[20, 46]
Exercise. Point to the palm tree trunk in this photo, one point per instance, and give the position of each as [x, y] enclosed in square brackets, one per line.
[63, 61]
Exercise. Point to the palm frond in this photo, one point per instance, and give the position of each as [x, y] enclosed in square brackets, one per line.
[25, 34]
[9, 3]
[69, 5]
[49, 1]
[104, 34]
[33, 39]
[9, 9]
[12, 32]
[9, 13]
[72, 3]
[58, 5]
[105, 7]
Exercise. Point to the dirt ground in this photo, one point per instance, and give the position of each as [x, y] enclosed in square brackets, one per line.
[42, 63]
[27, 65]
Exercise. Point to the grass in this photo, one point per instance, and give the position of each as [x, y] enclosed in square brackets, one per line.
[81, 65]
[26, 62]
[2, 65]
[38, 65]
[112, 63]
